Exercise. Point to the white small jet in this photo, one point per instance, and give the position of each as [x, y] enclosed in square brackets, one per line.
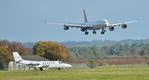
[39, 64]
[94, 26]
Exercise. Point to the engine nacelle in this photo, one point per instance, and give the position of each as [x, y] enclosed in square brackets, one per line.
[124, 26]
[111, 28]
[83, 29]
[66, 27]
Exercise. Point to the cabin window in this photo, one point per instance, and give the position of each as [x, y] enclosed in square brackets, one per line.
[60, 62]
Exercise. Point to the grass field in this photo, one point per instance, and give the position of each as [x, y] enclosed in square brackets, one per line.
[100, 73]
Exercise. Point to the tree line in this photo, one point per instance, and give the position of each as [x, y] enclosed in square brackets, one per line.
[123, 50]
[55, 51]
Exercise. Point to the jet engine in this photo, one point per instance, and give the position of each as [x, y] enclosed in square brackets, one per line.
[111, 28]
[124, 26]
[66, 27]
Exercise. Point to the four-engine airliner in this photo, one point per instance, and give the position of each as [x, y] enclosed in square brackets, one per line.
[94, 26]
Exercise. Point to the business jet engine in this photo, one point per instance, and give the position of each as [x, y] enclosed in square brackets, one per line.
[111, 28]
[66, 27]
[124, 26]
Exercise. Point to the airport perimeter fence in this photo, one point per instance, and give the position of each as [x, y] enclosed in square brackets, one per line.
[80, 63]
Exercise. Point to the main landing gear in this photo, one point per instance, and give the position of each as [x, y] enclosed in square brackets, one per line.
[86, 32]
[103, 31]
[94, 32]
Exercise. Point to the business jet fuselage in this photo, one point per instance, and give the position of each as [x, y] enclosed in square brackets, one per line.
[39, 64]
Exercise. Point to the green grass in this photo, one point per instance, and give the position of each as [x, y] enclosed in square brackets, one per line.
[100, 73]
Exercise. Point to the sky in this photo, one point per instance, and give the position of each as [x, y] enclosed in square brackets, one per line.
[22, 20]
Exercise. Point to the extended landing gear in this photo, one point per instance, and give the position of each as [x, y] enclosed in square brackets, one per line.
[41, 69]
[94, 32]
[86, 32]
[103, 31]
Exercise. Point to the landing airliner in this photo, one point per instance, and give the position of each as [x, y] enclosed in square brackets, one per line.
[94, 26]
[39, 64]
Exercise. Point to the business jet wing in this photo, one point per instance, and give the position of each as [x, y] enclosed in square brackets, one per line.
[123, 23]
[40, 65]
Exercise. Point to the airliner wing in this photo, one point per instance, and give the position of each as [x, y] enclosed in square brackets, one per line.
[128, 22]
[76, 25]
[60, 24]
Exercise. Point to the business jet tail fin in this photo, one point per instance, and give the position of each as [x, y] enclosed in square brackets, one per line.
[17, 57]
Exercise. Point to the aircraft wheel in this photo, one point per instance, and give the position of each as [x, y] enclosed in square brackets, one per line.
[41, 69]
[94, 32]
[59, 68]
[86, 33]
[102, 32]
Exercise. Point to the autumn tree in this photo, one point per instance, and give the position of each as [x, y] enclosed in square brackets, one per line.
[6, 49]
[5, 57]
[51, 50]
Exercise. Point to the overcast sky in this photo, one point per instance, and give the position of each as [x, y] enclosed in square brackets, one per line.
[22, 20]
